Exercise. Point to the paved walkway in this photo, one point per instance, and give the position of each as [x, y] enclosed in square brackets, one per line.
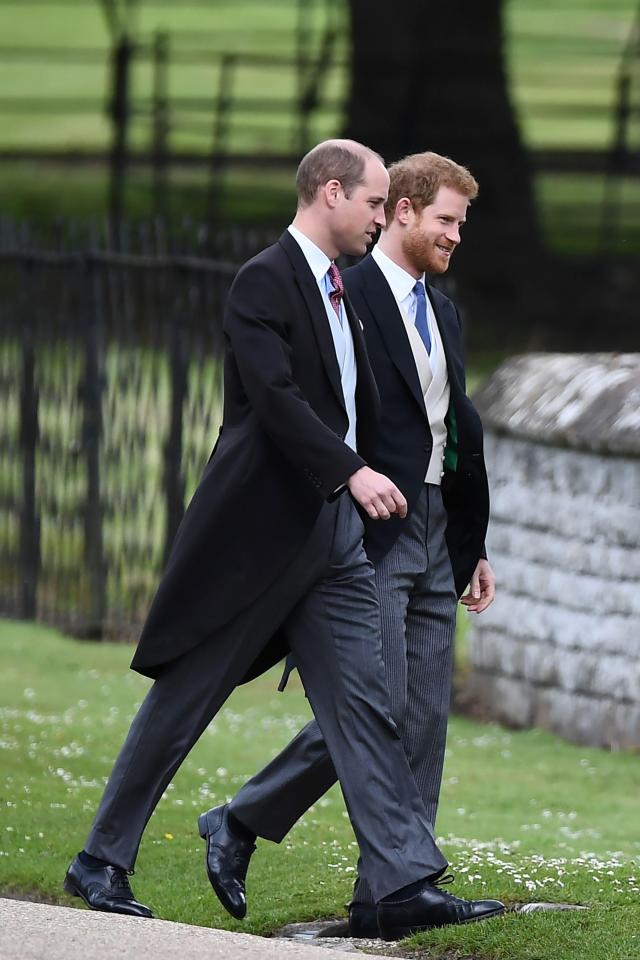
[39, 931]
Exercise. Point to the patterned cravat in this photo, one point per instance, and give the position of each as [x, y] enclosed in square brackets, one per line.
[421, 315]
[337, 293]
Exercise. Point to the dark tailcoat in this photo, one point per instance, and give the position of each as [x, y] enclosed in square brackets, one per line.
[279, 456]
[403, 454]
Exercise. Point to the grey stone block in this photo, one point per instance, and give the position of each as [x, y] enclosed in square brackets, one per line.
[560, 647]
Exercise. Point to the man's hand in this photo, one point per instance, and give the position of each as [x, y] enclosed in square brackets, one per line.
[376, 494]
[482, 588]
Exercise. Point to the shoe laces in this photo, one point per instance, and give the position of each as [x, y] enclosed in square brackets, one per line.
[444, 881]
[120, 879]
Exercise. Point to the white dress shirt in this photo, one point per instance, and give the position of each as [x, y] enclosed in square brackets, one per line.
[402, 284]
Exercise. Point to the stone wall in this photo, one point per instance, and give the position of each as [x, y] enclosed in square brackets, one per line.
[560, 647]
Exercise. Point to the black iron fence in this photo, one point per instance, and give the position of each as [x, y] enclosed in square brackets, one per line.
[110, 400]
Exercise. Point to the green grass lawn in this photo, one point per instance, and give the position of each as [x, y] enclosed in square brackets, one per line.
[39, 192]
[562, 65]
[524, 816]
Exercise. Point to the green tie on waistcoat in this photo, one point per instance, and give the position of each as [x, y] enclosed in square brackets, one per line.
[451, 448]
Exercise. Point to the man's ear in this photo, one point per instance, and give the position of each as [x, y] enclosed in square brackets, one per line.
[403, 211]
[332, 191]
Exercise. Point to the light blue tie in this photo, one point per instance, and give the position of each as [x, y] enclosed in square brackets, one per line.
[421, 314]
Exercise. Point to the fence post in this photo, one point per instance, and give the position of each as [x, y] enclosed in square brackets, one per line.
[621, 150]
[305, 12]
[312, 70]
[29, 521]
[173, 475]
[92, 388]
[219, 145]
[119, 113]
[160, 122]
[612, 203]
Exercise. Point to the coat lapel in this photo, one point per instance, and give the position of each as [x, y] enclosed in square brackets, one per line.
[359, 347]
[367, 396]
[313, 300]
[386, 314]
[450, 336]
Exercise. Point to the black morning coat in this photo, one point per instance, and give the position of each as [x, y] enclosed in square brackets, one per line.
[403, 453]
[278, 457]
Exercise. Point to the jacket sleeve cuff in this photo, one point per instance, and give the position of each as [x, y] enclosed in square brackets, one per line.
[336, 493]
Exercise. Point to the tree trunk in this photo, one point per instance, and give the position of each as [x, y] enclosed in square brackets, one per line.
[432, 76]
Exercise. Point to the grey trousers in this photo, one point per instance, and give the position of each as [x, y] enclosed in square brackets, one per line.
[418, 609]
[333, 628]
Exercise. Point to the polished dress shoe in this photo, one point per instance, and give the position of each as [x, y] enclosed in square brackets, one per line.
[431, 907]
[363, 921]
[103, 888]
[227, 859]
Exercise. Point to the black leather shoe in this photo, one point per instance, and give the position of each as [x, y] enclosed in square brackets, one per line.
[431, 907]
[103, 888]
[227, 860]
[363, 921]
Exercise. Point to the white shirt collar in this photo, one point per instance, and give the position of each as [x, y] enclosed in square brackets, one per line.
[318, 260]
[401, 282]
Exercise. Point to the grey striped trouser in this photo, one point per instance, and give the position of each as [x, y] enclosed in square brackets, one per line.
[418, 609]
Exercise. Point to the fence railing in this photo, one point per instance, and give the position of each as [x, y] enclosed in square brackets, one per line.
[110, 400]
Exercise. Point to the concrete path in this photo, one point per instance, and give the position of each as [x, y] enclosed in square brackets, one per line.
[39, 931]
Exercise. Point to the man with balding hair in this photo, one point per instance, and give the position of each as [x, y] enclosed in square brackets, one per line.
[430, 444]
[269, 557]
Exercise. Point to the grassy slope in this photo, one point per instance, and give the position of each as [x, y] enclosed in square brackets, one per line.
[562, 65]
[524, 815]
[557, 55]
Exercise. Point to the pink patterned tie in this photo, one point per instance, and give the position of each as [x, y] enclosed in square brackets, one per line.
[337, 293]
